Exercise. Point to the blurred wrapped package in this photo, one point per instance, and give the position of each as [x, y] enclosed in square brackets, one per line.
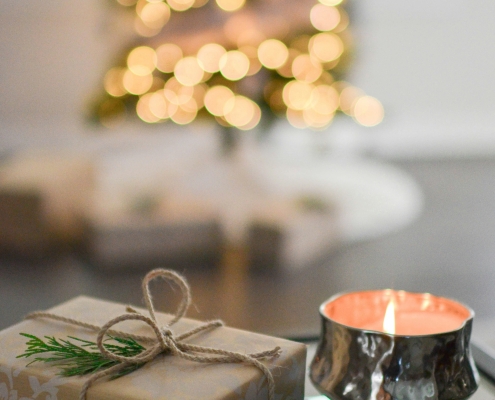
[43, 200]
[155, 230]
[292, 234]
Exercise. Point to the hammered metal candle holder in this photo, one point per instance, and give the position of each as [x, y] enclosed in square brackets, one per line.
[360, 364]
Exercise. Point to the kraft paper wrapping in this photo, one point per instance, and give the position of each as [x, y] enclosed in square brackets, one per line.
[166, 377]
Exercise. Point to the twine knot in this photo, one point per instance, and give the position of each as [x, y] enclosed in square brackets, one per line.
[167, 332]
[165, 341]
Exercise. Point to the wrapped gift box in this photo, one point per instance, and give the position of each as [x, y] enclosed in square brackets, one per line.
[292, 235]
[43, 200]
[171, 231]
[139, 242]
[166, 377]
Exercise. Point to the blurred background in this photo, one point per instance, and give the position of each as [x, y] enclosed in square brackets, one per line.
[267, 223]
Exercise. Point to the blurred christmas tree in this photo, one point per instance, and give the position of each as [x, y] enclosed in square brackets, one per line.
[234, 60]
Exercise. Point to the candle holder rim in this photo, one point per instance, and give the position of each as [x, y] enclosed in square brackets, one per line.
[394, 335]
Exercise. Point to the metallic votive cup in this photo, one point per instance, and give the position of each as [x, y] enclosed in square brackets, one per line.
[363, 364]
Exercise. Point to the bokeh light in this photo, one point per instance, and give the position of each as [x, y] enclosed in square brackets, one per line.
[326, 78]
[286, 69]
[215, 99]
[348, 97]
[324, 18]
[296, 118]
[136, 84]
[180, 5]
[113, 82]
[330, 2]
[143, 30]
[368, 111]
[252, 54]
[186, 113]
[230, 5]
[140, 5]
[315, 119]
[209, 57]
[229, 67]
[344, 21]
[326, 46]
[273, 53]
[234, 65]
[160, 106]
[239, 111]
[142, 60]
[177, 93]
[255, 119]
[326, 99]
[167, 55]
[143, 109]
[304, 68]
[199, 92]
[188, 71]
[155, 15]
[298, 95]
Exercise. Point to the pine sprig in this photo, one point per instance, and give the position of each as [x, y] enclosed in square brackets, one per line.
[82, 358]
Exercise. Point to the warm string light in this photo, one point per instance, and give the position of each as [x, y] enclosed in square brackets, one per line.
[172, 84]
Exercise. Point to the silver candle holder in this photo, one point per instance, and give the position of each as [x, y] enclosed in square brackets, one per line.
[427, 358]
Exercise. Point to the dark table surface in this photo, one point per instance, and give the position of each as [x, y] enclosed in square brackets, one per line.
[448, 251]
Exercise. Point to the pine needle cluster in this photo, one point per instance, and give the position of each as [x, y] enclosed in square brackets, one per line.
[79, 356]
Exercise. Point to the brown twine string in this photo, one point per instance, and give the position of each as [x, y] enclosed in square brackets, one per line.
[165, 340]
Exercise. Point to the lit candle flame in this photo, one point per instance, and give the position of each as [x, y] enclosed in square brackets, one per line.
[389, 319]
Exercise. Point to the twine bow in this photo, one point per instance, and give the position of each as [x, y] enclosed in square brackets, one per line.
[166, 341]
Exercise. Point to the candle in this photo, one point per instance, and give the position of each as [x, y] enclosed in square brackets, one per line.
[411, 313]
[386, 344]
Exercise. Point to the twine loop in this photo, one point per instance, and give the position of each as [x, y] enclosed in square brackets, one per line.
[165, 340]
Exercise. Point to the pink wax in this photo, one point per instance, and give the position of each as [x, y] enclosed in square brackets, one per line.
[415, 313]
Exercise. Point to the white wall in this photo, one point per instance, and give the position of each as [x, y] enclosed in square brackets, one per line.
[53, 55]
[432, 64]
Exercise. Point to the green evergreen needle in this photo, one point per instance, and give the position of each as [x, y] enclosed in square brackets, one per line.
[82, 358]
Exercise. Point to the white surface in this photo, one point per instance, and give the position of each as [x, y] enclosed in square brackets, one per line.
[371, 198]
